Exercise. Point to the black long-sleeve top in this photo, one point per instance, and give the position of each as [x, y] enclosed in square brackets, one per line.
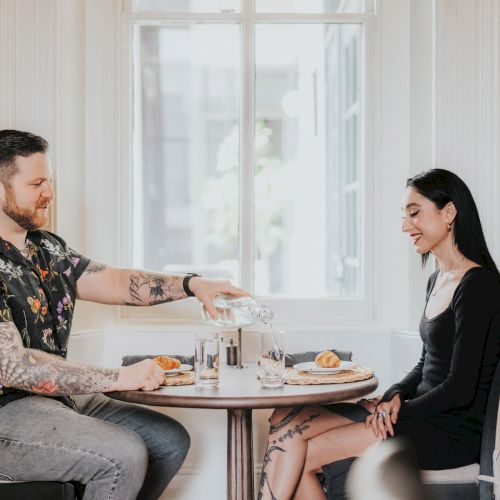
[461, 347]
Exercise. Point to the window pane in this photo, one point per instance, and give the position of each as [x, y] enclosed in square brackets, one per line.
[170, 6]
[310, 6]
[308, 151]
[186, 148]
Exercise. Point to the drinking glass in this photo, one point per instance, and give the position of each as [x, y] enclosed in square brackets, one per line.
[271, 364]
[206, 360]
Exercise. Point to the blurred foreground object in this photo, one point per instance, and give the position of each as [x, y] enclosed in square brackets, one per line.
[387, 471]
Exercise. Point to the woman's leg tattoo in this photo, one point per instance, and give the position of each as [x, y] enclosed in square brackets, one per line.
[272, 445]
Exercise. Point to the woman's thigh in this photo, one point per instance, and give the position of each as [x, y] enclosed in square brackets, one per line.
[310, 421]
[339, 443]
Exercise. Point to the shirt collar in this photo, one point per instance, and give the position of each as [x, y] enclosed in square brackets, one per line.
[10, 251]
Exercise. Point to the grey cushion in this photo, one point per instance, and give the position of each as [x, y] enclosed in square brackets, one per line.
[290, 360]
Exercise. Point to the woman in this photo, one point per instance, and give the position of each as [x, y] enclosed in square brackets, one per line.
[439, 406]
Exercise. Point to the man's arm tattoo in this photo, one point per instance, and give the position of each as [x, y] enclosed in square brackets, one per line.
[94, 268]
[43, 373]
[149, 289]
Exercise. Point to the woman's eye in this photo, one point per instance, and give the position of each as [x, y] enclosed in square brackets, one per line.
[414, 214]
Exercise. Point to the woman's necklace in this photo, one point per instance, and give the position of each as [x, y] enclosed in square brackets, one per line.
[445, 275]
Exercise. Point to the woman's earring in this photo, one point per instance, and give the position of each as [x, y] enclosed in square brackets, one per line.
[448, 226]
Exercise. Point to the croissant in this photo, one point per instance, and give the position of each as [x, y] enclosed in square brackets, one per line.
[327, 359]
[166, 362]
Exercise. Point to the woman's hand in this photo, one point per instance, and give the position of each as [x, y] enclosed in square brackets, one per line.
[206, 291]
[384, 417]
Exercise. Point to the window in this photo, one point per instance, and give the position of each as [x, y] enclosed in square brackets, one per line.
[248, 142]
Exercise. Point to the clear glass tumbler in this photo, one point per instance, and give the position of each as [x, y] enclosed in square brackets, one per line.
[271, 364]
[206, 360]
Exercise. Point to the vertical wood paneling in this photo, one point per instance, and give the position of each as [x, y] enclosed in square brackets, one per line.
[7, 63]
[101, 90]
[25, 65]
[467, 101]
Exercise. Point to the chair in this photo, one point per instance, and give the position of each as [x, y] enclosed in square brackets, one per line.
[387, 471]
[41, 490]
[471, 482]
[475, 481]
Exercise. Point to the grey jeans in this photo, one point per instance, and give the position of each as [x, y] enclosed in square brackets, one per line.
[118, 450]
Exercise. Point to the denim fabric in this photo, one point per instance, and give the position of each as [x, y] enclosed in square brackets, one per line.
[118, 450]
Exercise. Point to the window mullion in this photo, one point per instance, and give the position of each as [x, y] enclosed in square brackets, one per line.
[247, 155]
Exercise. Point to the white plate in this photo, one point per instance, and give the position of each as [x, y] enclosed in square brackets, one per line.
[312, 367]
[175, 371]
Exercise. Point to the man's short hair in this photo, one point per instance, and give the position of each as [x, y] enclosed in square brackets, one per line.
[15, 143]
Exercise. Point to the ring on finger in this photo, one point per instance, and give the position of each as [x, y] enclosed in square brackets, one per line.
[381, 414]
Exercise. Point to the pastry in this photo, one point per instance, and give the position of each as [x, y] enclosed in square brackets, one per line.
[166, 362]
[327, 359]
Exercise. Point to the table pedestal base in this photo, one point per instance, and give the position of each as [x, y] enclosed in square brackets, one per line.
[239, 455]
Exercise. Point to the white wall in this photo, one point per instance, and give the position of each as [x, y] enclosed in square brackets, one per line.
[437, 104]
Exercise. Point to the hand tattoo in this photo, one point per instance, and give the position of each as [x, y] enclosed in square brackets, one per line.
[43, 373]
[150, 289]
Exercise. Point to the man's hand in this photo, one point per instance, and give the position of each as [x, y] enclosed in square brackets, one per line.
[145, 375]
[384, 417]
[206, 291]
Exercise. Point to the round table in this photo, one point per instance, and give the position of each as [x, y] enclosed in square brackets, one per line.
[239, 392]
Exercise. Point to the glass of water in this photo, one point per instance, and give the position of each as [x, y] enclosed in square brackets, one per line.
[271, 364]
[206, 360]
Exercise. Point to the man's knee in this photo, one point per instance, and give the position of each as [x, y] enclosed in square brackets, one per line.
[180, 441]
[129, 454]
[173, 442]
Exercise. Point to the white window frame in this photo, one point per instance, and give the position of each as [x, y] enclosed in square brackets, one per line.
[324, 312]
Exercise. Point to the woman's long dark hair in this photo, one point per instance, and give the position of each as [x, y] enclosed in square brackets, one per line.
[442, 186]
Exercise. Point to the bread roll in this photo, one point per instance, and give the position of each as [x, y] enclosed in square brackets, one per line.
[327, 359]
[166, 362]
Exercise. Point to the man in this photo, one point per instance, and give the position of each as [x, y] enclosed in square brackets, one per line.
[55, 423]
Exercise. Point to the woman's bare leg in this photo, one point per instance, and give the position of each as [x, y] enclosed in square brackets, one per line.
[336, 444]
[290, 430]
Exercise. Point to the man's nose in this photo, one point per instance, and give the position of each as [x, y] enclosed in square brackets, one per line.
[48, 192]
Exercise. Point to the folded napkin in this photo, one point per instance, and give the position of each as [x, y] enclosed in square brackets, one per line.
[303, 357]
[130, 360]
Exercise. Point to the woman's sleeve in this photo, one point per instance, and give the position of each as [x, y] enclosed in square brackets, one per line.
[408, 386]
[475, 302]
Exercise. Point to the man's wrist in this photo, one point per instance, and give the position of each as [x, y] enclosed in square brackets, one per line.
[185, 283]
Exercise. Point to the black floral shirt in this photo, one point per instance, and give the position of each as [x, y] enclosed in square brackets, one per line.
[38, 292]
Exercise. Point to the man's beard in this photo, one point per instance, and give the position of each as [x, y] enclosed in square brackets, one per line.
[27, 219]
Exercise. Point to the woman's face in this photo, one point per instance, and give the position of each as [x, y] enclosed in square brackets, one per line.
[424, 223]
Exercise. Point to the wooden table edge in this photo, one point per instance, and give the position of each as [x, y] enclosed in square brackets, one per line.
[153, 398]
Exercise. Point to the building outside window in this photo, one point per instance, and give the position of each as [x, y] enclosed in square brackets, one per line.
[248, 130]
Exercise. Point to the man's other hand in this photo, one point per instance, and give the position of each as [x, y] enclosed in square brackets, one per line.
[145, 375]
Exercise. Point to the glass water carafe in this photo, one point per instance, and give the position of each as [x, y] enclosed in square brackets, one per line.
[237, 312]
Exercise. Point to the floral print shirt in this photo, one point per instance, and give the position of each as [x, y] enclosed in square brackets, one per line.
[38, 292]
